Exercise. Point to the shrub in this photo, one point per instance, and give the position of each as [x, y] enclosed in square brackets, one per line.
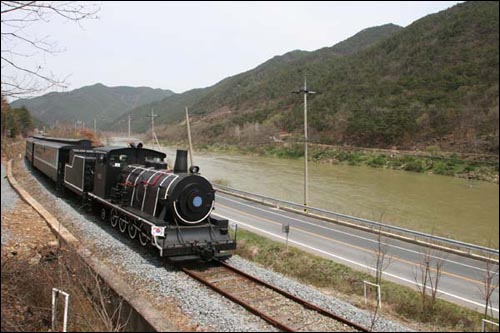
[377, 161]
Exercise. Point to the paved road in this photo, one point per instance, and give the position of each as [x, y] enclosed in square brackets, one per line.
[461, 280]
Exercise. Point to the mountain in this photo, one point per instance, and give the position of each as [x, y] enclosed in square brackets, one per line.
[86, 103]
[434, 82]
[267, 82]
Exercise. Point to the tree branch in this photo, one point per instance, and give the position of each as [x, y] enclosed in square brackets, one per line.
[21, 6]
[16, 17]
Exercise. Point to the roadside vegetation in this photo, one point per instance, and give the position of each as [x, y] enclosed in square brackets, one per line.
[27, 292]
[399, 302]
[15, 121]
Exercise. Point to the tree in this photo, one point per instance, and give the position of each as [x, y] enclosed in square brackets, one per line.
[489, 277]
[490, 285]
[427, 276]
[381, 263]
[17, 43]
[15, 121]
[24, 119]
[9, 127]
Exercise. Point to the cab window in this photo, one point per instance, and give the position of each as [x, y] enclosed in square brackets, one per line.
[118, 160]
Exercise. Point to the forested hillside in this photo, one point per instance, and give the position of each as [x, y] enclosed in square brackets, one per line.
[86, 103]
[248, 92]
[434, 82]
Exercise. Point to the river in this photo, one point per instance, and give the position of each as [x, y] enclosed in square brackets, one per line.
[445, 206]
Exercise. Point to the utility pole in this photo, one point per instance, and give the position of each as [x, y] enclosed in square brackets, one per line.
[129, 126]
[95, 126]
[189, 138]
[153, 134]
[153, 125]
[305, 92]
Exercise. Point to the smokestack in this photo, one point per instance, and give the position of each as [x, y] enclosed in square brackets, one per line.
[181, 161]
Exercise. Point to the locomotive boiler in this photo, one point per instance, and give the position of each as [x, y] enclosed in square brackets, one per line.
[180, 197]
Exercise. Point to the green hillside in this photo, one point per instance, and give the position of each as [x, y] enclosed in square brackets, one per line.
[86, 103]
[433, 83]
[259, 86]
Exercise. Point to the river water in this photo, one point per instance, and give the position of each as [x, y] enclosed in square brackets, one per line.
[446, 206]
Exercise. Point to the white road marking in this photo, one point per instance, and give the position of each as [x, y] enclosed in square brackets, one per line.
[353, 235]
[353, 262]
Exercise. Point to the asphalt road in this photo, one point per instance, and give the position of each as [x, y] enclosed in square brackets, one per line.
[461, 280]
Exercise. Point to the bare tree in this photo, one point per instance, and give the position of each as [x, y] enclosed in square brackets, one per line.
[421, 279]
[489, 277]
[18, 43]
[381, 263]
[490, 285]
[374, 317]
[428, 275]
[435, 276]
[114, 321]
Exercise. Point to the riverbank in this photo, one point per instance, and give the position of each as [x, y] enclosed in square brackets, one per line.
[470, 167]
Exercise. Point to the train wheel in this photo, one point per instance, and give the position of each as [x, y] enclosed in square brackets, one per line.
[132, 231]
[124, 222]
[114, 217]
[143, 239]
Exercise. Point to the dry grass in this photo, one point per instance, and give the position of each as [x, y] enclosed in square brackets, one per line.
[27, 293]
[400, 302]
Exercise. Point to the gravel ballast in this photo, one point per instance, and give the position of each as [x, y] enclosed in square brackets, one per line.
[314, 296]
[203, 308]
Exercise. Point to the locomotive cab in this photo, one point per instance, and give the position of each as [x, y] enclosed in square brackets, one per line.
[112, 160]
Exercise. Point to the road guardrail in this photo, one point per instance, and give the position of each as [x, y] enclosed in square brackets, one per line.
[361, 222]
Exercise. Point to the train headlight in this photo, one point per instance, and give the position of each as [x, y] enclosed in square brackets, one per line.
[197, 201]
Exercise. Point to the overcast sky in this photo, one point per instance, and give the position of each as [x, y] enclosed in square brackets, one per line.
[181, 46]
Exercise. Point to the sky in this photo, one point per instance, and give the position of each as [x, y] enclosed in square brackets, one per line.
[185, 45]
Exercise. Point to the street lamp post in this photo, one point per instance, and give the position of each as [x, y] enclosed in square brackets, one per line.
[305, 92]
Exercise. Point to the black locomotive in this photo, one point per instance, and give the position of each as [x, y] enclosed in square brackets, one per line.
[133, 189]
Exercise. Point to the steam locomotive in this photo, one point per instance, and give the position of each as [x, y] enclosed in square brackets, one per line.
[133, 188]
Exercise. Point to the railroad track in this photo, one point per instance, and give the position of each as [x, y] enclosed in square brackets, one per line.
[276, 306]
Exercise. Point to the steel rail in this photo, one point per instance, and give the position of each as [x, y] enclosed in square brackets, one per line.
[282, 292]
[297, 299]
[236, 300]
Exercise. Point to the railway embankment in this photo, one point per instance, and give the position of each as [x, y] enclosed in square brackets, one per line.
[113, 302]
